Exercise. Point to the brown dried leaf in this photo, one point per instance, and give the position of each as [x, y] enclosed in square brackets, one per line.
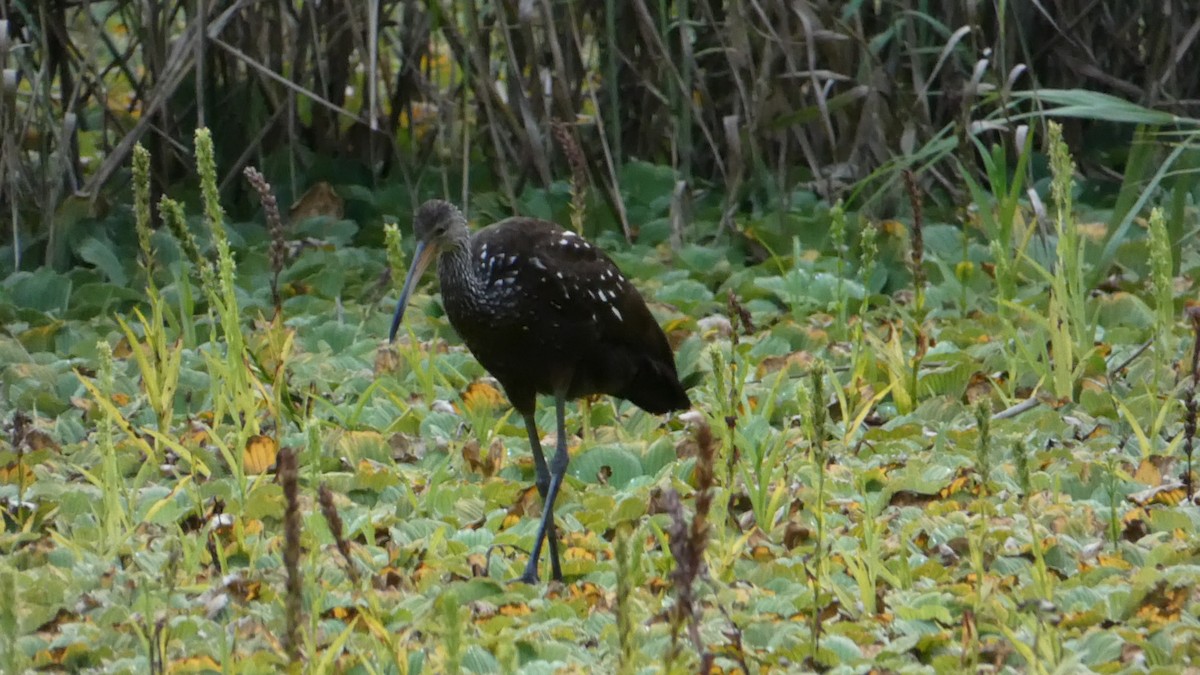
[319, 200]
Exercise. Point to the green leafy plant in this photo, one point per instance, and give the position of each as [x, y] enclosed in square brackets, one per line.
[892, 475]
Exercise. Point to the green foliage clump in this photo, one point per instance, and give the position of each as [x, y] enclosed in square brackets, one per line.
[980, 471]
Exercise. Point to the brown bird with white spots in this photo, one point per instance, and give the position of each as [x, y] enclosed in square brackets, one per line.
[545, 312]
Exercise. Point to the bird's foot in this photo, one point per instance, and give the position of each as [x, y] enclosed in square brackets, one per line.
[530, 578]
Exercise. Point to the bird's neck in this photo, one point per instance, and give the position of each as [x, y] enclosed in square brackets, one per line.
[455, 270]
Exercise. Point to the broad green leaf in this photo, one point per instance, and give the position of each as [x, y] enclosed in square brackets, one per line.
[598, 461]
[44, 290]
[101, 254]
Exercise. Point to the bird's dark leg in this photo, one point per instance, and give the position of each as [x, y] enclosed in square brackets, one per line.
[542, 481]
[558, 469]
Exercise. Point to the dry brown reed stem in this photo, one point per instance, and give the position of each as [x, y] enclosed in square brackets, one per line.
[1190, 403]
[579, 176]
[756, 85]
[325, 497]
[688, 542]
[278, 251]
[291, 551]
[738, 312]
[739, 320]
[571, 150]
[917, 235]
[917, 238]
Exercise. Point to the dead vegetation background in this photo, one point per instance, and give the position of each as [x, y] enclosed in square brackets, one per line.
[755, 98]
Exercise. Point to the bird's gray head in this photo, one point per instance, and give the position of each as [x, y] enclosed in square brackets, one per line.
[439, 224]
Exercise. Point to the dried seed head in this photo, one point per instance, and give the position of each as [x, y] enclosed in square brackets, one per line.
[278, 251]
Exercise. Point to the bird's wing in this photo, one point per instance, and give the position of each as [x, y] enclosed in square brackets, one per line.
[570, 279]
[568, 297]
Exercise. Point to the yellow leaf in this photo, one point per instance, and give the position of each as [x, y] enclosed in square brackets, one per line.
[344, 613]
[481, 394]
[578, 553]
[893, 228]
[515, 609]
[762, 553]
[960, 482]
[1169, 494]
[70, 654]
[1148, 473]
[588, 591]
[354, 443]
[677, 323]
[195, 435]
[259, 454]
[1117, 562]
[1164, 604]
[16, 473]
[42, 335]
[194, 664]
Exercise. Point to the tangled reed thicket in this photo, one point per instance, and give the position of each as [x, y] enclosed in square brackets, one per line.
[815, 93]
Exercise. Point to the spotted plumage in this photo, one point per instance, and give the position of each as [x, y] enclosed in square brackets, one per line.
[545, 312]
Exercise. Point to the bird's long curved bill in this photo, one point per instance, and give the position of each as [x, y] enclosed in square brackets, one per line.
[422, 256]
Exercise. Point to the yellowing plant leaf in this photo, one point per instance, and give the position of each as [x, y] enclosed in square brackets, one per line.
[1169, 494]
[194, 664]
[515, 609]
[762, 553]
[60, 656]
[678, 323]
[893, 228]
[1147, 473]
[16, 473]
[1164, 603]
[963, 480]
[579, 553]
[355, 443]
[259, 454]
[343, 613]
[1114, 561]
[481, 393]
[114, 413]
[41, 337]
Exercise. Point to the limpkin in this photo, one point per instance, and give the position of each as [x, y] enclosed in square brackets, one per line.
[545, 312]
